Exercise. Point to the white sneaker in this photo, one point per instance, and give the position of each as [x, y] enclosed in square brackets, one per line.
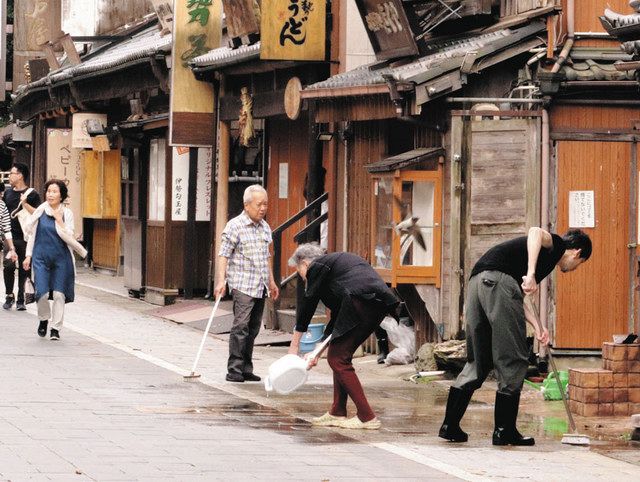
[356, 424]
[327, 420]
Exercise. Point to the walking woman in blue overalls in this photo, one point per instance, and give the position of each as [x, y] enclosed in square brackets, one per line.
[50, 252]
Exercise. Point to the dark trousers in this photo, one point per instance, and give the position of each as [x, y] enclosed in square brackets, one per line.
[496, 333]
[10, 271]
[247, 313]
[340, 355]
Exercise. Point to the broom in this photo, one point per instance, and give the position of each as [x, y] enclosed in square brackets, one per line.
[573, 438]
[193, 375]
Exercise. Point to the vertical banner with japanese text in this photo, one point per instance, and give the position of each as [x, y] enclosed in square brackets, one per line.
[197, 29]
[63, 162]
[293, 30]
[180, 184]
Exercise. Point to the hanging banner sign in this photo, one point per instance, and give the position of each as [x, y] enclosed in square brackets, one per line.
[180, 184]
[293, 30]
[63, 163]
[197, 29]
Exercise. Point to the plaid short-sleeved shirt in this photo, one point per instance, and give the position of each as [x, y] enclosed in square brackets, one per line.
[246, 245]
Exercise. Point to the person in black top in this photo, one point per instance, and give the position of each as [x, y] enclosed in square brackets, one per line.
[495, 324]
[16, 196]
[358, 299]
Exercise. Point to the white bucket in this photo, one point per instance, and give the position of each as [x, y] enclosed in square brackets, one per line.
[286, 374]
[290, 372]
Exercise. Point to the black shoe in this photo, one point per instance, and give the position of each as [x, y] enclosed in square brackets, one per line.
[234, 377]
[55, 335]
[20, 306]
[383, 350]
[8, 303]
[505, 414]
[42, 328]
[456, 406]
[250, 377]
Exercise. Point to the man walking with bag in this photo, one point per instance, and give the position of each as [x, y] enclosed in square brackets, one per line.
[19, 197]
[245, 251]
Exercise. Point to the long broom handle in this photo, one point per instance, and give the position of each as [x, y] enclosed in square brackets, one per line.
[206, 332]
[556, 374]
[572, 423]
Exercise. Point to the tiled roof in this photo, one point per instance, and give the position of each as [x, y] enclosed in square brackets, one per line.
[224, 56]
[592, 70]
[446, 56]
[145, 44]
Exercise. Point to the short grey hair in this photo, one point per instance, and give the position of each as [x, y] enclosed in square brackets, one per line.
[305, 252]
[248, 192]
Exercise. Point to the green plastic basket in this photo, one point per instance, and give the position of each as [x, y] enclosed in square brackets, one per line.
[550, 386]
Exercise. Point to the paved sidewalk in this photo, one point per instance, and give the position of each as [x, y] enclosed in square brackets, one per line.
[79, 409]
[410, 413]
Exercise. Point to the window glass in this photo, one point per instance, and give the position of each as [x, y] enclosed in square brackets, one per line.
[383, 190]
[418, 197]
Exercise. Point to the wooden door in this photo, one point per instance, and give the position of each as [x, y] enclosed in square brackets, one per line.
[288, 153]
[503, 188]
[593, 302]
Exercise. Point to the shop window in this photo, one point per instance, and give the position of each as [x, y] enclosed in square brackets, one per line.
[406, 226]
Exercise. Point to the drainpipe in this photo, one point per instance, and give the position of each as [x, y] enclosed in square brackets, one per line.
[544, 217]
[570, 37]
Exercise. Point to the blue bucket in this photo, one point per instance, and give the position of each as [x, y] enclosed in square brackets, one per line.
[312, 336]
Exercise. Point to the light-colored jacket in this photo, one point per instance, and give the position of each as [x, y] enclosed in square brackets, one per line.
[66, 233]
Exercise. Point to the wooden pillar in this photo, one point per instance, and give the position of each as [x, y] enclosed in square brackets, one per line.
[314, 186]
[222, 191]
[190, 228]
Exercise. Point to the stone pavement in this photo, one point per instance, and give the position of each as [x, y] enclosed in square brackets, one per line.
[117, 365]
[79, 409]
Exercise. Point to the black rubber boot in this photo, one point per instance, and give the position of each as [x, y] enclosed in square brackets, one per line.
[505, 415]
[456, 406]
[383, 350]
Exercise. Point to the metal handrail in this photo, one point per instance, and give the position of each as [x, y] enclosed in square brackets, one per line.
[277, 235]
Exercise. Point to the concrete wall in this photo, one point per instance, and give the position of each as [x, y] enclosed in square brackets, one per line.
[355, 49]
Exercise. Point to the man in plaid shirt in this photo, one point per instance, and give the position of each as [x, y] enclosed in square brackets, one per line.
[244, 263]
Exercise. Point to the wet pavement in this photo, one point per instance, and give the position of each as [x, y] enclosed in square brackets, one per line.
[135, 362]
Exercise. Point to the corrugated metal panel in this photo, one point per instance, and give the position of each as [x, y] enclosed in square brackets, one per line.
[405, 159]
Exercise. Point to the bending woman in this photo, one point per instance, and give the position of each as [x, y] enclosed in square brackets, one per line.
[359, 300]
[50, 251]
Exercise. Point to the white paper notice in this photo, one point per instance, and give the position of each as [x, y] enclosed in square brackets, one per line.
[582, 209]
[283, 181]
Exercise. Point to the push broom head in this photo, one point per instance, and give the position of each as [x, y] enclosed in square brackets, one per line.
[575, 439]
[192, 377]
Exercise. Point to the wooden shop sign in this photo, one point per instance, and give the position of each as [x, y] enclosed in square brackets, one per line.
[293, 30]
[388, 28]
[197, 28]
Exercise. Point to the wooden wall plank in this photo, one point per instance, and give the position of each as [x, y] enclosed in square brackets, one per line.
[592, 302]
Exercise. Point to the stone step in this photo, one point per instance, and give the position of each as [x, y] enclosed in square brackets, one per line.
[287, 320]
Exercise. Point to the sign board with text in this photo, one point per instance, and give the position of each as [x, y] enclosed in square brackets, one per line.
[293, 30]
[63, 163]
[180, 184]
[197, 29]
[582, 209]
[388, 28]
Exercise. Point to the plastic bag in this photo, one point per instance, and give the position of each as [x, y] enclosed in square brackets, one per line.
[404, 340]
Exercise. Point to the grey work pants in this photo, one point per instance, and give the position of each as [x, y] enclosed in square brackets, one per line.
[46, 313]
[247, 317]
[496, 333]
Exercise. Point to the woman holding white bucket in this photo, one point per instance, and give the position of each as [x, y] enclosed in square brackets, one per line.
[359, 300]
